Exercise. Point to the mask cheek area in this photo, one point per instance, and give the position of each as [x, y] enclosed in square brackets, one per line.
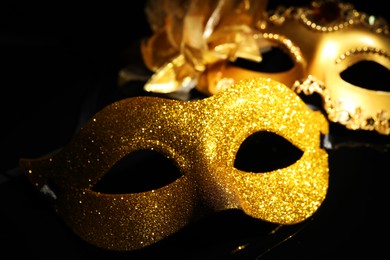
[125, 222]
[144, 199]
[269, 178]
[141, 199]
[286, 196]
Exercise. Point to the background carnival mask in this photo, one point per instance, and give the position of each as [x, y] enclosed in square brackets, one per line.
[333, 38]
[202, 139]
[233, 38]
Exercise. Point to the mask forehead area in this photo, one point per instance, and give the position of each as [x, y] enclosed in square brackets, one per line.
[263, 104]
[118, 129]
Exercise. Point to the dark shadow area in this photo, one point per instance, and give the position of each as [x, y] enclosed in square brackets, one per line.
[264, 152]
[274, 60]
[139, 171]
[369, 75]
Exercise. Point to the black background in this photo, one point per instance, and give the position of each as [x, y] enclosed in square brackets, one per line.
[59, 65]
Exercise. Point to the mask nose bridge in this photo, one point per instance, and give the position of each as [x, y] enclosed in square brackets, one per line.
[213, 194]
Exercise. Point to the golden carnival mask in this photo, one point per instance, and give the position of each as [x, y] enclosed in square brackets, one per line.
[324, 41]
[201, 138]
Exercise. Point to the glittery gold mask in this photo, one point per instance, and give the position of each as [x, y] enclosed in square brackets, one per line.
[201, 138]
[325, 40]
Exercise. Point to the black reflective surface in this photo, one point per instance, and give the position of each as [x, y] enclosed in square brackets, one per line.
[59, 65]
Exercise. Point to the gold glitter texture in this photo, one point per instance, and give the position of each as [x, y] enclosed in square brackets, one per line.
[202, 137]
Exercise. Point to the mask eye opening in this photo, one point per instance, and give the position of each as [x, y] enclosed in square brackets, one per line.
[265, 151]
[274, 60]
[368, 74]
[139, 171]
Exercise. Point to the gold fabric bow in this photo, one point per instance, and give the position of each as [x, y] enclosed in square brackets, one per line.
[189, 35]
